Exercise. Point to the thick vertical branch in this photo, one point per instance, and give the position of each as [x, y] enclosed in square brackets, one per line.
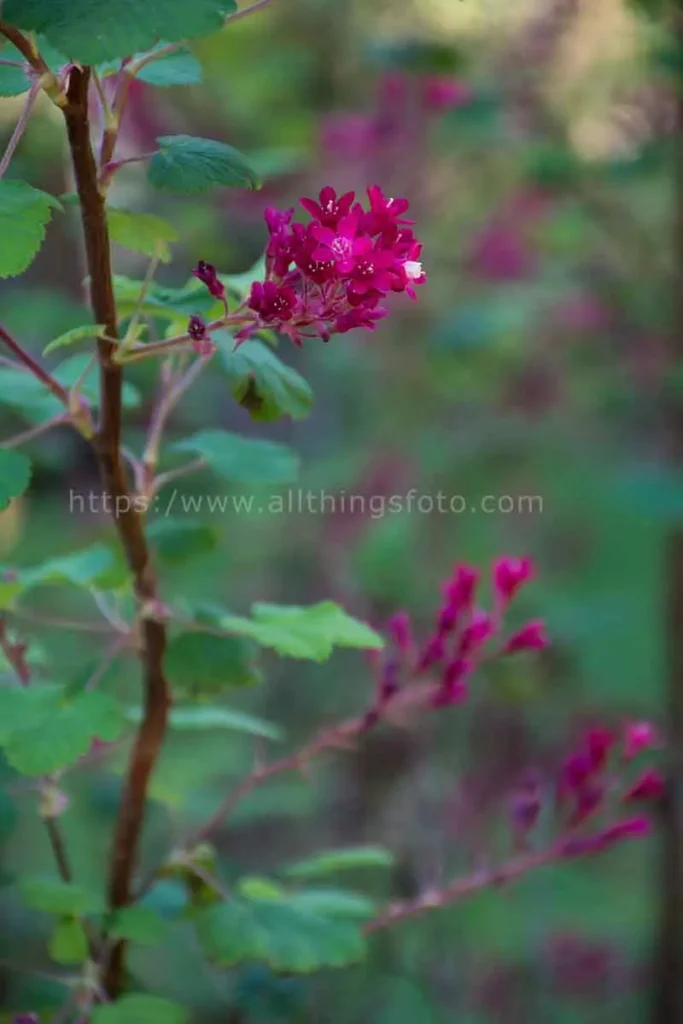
[668, 967]
[128, 522]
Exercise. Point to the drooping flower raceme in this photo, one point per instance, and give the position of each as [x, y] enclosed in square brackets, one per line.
[331, 275]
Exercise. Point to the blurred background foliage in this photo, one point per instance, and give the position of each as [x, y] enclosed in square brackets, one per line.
[534, 142]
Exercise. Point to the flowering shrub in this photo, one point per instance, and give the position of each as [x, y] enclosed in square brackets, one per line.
[328, 276]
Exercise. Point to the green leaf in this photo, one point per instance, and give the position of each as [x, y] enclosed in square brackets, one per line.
[83, 333]
[329, 862]
[69, 943]
[88, 32]
[43, 732]
[24, 215]
[311, 633]
[190, 166]
[178, 68]
[142, 232]
[205, 717]
[138, 924]
[15, 475]
[257, 888]
[336, 903]
[53, 896]
[176, 541]
[279, 933]
[140, 1009]
[203, 663]
[243, 460]
[96, 566]
[262, 384]
[13, 80]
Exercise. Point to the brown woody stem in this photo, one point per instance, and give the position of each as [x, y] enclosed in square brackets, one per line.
[107, 443]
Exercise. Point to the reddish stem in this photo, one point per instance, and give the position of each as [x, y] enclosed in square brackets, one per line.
[157, 697]
[35, 368]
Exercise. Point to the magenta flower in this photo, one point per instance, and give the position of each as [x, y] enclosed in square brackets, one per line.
[630, 828]
[599, 742]
[359, 317]
[440, 93]
[401, 631]
[453, 689]
[639, 737]
[639, 826]
[476, 633]
[375, 271]
[433, 653]
[340, 244]
[385, 214]
[206, 273]
[531, 637]
[649, 786]
[329, 210]
[509, 574]
[459, 591]
[273, 302]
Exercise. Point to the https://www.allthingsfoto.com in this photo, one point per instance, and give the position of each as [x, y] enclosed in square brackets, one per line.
[299, 501]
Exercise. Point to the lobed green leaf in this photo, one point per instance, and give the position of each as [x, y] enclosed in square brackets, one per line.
[277, 932]
[142, 232]
[24, 214]
[243, 460]
[15, 475]
[191, 166]
[91, 32]
[308, 633]
[262, 384]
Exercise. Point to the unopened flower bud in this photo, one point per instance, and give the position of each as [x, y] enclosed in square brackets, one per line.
[639, 737]
[649, 786]
[206, 273]
[509, 574]
[531, 637]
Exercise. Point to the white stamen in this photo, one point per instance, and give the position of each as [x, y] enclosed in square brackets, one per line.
[413, 269]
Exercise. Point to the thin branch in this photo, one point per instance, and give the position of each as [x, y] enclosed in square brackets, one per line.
[154, 348]
[340, 736]
[246, 11]
[35, 368]
[176, 474]
[20, 128]
[25, 48]
[170, 394]
[157, 695]
[59, 849]
[434, 899]
[179, 341]
[32, 432]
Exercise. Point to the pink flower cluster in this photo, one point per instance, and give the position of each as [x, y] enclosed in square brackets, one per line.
[461, 637]
[329, 276]
[592, 783]
[325, 277]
